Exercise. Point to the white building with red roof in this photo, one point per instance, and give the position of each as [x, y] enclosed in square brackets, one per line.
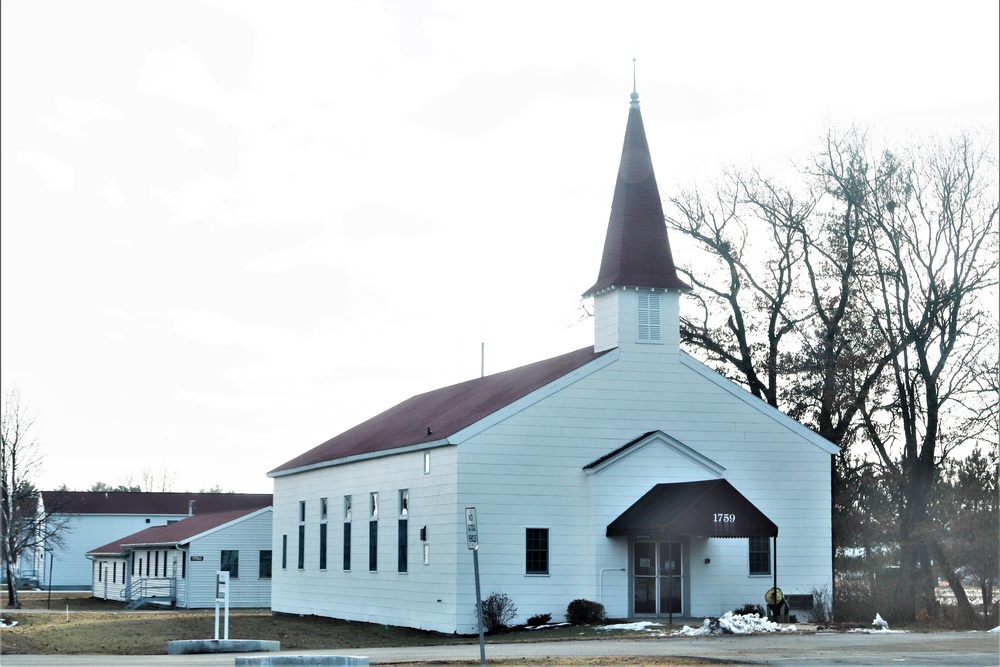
[176, 564]
[627, 473]
[89, 518]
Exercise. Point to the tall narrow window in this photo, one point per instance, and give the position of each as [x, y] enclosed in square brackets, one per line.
[230, 562]
[649, 330]
[403, 539]
[536, 551]
[184, 566]
[322, 509]
[347, 533]
[284, 552]
[302, 511]
[373, 546]
[264, 564]
[322, 546]
[404, 502]
[302, 547]
[114, 572]
[347, 547]
[760, 556]
[427, 463]
[373, 505]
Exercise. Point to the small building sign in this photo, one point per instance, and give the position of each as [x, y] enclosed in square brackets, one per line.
[471, 528]
[197, 559]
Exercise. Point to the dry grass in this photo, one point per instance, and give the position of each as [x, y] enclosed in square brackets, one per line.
[103, 628]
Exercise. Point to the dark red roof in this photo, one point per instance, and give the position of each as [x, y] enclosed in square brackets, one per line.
[129, 502]
[176, 533]
[441, 413]
[636, 248]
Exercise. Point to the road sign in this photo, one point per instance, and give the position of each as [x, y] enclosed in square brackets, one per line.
[471, 528]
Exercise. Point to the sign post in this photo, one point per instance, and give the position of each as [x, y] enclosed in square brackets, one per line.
[221, 597]
[472, 537]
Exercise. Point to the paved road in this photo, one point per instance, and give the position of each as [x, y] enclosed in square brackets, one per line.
[951, 649]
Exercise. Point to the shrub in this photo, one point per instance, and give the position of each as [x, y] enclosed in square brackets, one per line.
[539, 619]
[498, 612]
[585, 612]
[822, 611]
[750, 608]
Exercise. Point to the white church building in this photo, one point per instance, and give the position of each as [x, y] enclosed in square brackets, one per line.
[626, 473]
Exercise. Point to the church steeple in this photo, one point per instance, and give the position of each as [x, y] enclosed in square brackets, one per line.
[636, 296]
[636, 249]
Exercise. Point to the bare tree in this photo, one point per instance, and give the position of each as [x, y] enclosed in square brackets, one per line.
[858, 308]
[27, 526]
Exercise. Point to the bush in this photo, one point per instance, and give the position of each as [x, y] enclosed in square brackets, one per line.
[498, 612]
[585, 612]
[539, 619]
[822, 611]
[750, 608]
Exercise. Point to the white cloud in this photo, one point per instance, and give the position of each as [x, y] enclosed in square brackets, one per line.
[56, 174]
[190, 140]
[113, 194]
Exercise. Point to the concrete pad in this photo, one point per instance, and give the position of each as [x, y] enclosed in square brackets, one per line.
[186, 646]
[310, 660]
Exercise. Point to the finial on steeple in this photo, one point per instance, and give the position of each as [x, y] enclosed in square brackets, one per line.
[635, 95]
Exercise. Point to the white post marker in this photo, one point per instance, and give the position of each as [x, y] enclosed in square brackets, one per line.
[221, 597]
[472, 538]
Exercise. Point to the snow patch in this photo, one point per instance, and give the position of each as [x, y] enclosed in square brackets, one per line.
[881, 626]
[735, 624]
[7, 624]
[638, 626]
[996, 629]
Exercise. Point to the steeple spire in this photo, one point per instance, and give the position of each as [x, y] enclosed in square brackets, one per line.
[636, 249]
[635, 95]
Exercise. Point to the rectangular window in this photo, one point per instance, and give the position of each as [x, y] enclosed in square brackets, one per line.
[760, 556]
[184, 565]
[156, 564]
[427, 463]
[284, 552]
[649, 330]
[322, 546]
[373, 546]
[132, 559]
[231, 563]
[302, 511]
[264, 564]
[536, 551]
[403, 539]
[100, 572]
[147, 563]
[373, 506]
[347, 508]
[302, 547]
[427, 554]
[114, 573]
[404, 502]
[347, 547]
[322, 509]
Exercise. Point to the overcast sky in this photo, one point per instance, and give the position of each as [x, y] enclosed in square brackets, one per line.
[231, 230]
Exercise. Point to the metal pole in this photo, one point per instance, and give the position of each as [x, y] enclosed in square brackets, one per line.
[48, 605]
[479, 608]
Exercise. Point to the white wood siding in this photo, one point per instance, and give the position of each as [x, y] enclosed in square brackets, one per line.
[249, 536]
[85, 532]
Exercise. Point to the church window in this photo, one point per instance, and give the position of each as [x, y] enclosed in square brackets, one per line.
[649, 330]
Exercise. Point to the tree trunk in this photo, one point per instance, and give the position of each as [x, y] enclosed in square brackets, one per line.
[964, 606]
[13, 601]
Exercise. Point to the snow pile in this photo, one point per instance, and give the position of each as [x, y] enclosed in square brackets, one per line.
[996, 629]
[638, 626]
[881, 626]
[7, 624]
[547, 625]
[735, 624]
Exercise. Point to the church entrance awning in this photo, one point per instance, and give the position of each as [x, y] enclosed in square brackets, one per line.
[712, 508]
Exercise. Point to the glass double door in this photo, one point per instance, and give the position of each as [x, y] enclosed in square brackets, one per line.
[657, 576]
